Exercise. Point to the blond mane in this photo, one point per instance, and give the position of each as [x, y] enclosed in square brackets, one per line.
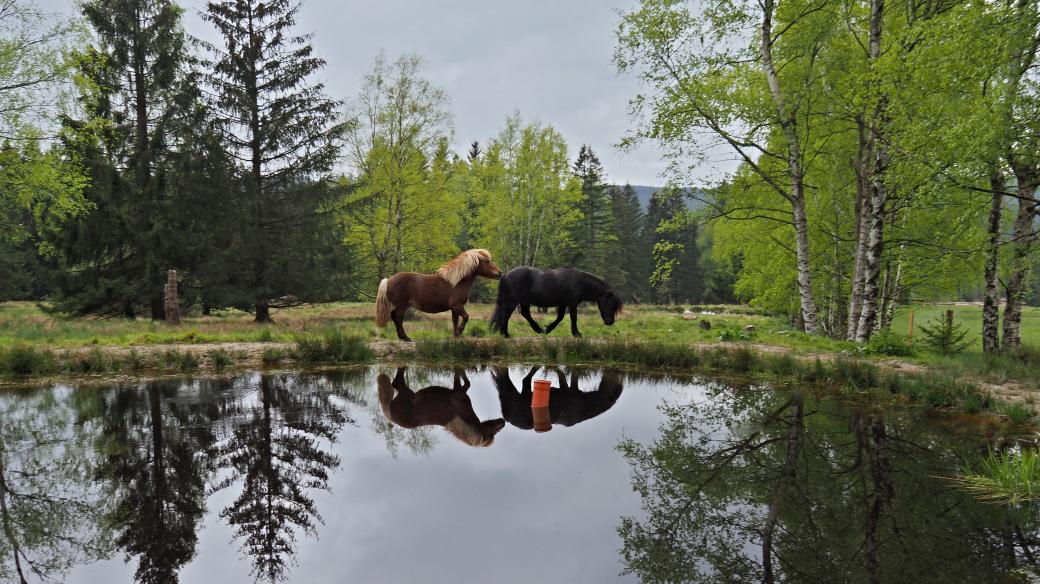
[462, 265]
[466, 432]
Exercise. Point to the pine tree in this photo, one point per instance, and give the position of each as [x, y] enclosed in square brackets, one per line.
[594, 232]
[628, 256]
[115, 256]
[474, 152]
[279, 124]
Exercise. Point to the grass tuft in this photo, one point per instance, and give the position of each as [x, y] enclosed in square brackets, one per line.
[332, 347]
[1005, 477]
[220, 359]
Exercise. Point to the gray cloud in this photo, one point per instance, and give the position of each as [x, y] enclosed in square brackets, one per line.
[550, 60]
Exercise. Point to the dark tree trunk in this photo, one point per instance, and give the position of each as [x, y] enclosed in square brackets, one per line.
[991, 298]
[263, 312]
[156, 305]
[1025, 236]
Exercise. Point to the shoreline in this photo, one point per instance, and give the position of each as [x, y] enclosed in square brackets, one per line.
[893, 379]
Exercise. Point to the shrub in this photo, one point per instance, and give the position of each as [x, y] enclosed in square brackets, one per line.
[220, 359]
[26, 360]
[885, 342]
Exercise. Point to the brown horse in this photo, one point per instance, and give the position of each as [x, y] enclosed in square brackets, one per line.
[447, 289]
[435, 405]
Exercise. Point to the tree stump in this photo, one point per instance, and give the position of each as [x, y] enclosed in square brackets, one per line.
[173, 313]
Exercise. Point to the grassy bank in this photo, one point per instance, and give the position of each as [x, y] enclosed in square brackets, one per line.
[23, 361]
[933, 389]
[660, 328]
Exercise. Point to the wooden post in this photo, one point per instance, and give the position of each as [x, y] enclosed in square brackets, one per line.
[948, 325]
[910, 326]
[173, 313]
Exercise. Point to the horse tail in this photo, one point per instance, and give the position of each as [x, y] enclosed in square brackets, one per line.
[503, 307]
[386, 394]
[383, 306]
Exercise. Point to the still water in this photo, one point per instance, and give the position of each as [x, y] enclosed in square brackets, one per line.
[406, 475]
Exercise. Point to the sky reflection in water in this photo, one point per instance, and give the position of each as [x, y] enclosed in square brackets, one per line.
[402, 475]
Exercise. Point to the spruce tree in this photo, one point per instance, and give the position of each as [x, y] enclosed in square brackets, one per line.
[279, 125]
[628, 255]
[113, 257]
[593, 234]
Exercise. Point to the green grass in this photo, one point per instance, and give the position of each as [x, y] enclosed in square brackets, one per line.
[970, 317]
[1005, 477]
[332, 347]
[930, 389]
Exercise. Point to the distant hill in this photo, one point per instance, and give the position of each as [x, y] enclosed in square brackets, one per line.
[645, 192]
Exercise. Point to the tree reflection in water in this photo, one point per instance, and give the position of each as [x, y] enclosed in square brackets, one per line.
[157, 451]
[772, 487]
[278, 450]
[50, 513]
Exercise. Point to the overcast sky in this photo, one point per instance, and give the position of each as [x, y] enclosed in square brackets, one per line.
[550, 60]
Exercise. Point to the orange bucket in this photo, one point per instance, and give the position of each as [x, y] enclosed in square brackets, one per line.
[540, 399]
[542, 421]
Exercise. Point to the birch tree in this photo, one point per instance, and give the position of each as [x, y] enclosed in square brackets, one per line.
[528, 196]
[397, 143]
[714, 78]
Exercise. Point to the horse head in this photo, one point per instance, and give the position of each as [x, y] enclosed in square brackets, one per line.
[609, 307]
[487, 268]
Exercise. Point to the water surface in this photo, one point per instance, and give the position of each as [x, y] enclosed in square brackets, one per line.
[404, 475]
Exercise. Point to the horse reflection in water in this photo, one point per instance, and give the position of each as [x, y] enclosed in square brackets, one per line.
[568, 405]
[436, 405]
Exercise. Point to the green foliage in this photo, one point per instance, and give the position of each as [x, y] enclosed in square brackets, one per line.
[25, 360]
[888, 343]
[944, 336]
[284, 244]
[594, 234]
[1009, 477]
[401, 213]
[527, 197]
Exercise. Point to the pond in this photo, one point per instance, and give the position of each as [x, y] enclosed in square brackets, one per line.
[401, 475]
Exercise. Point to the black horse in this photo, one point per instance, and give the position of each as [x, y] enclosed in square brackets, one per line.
[568, 405]
[564, 288]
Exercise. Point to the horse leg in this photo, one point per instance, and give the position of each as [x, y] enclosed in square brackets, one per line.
[465, 319]
[397, 314]
[460, 381]
[574, 320]
[454, 323]
[525, 311]
[399, 382]
[560, 311]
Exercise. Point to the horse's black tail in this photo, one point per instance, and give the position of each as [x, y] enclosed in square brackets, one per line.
[504, 307]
